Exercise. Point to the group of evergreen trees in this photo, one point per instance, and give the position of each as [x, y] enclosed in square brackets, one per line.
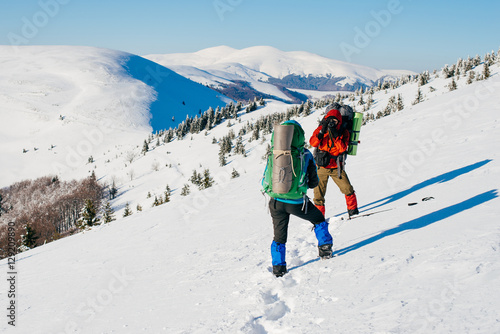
[202, 181]
[462, 69]
[203, 122]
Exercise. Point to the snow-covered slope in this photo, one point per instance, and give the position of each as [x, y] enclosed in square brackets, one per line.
[201, 263]
[62, 104]
[263, 64]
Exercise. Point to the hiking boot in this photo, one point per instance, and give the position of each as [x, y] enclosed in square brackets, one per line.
[353, 212]
[279, 271]
[325, 252]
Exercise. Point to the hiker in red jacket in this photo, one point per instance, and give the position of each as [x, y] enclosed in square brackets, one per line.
[332, 141]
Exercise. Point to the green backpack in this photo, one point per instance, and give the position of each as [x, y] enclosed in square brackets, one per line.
[285, 175]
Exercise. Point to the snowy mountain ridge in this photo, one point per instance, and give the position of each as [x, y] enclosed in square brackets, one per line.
[265, 66]
[64, 103]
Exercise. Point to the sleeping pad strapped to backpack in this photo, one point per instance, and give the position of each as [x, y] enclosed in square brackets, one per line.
[286, 170]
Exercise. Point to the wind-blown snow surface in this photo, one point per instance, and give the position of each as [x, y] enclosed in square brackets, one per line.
[63, 103]
[201, 263]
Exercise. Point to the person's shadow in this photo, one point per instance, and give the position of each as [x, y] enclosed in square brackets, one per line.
[437, 179]
[423, 221]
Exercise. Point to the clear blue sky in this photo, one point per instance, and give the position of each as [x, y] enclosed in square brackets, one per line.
[389, 34]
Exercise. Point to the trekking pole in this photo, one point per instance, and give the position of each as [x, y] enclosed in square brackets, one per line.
[339, 167]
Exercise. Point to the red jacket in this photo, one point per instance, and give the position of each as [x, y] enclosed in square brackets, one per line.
[335, 146]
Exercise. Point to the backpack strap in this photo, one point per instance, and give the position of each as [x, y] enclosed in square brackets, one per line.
[279, 153]
[303, 164]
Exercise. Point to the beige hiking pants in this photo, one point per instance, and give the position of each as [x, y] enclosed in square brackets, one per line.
[324, 174]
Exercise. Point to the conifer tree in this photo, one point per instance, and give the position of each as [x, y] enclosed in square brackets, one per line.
[113, 190]
[210, 118]
[419, 98]
[127, 211]
[185, 190]
[256, 133]
[400, 104]
[423, 78]
[239, 148]
[195, 178]
[239, 106]
[169, 135]
[361, 101]
[486, 71]
[207, 180]
[453, 85]
[222, 159]
[28, 240]
[89, 215]
[139, 208]
[2, 209]
[234, 174]
[145, 147]
[108, 213]
[391, 106]
[471, 77]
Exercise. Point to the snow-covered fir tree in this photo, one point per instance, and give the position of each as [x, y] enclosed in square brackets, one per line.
[471, 77]
[419, 98]
[127, 212]
[400, 104]
[185, 190]
[195, 178]
[234, 174]
[145, 148]
[453, 85]
[207, 180]
[88, 216]
[29, 238]
[486, 71]
[222, 159]
[239, 148]
[108, 213]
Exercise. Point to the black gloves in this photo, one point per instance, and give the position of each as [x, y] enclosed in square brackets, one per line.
[324, 128]
[329, 125]
[324, 125]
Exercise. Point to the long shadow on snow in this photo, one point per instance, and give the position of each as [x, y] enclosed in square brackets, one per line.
[424, 220]
[437, 179]
[415, 223]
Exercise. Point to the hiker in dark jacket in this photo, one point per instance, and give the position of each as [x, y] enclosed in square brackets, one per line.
[281, 209]
[332, 142]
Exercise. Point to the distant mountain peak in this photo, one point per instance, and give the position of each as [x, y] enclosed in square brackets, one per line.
[266, 67]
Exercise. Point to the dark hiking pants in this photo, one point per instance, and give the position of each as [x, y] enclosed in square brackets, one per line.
[280, 212]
